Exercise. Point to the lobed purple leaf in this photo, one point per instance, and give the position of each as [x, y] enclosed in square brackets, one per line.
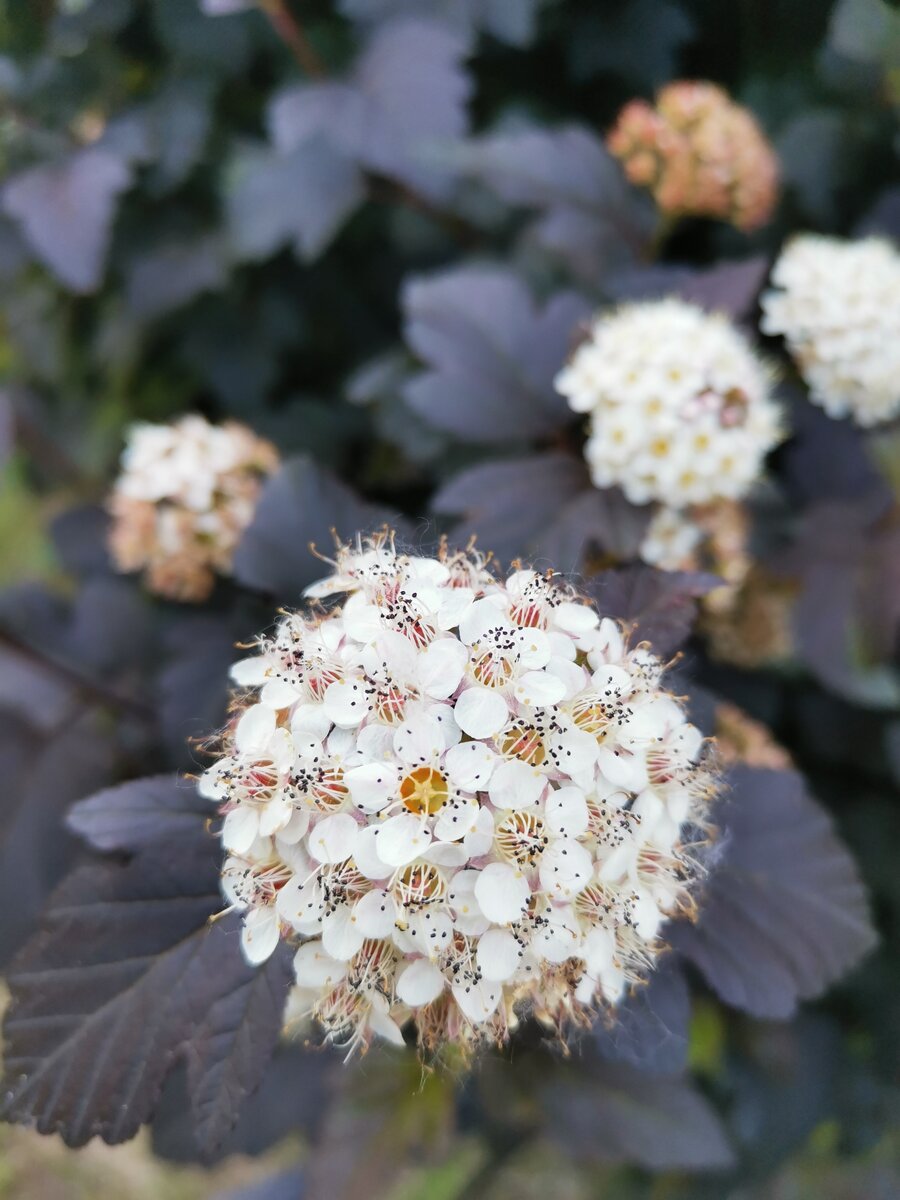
[66, 212]
[784, 914]
[492, 354]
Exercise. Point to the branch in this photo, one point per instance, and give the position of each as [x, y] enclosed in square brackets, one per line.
[294, 37]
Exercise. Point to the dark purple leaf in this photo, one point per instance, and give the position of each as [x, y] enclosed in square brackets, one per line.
[66, 211]
[662, 605]
[229, 1053]
[784, 913]
[650, 1029]
[125, 978]
[300, 198]
[80, 540]
[847, 612]
[825, 459]
[155, 809]
[407, 93]
[300, 506]
[193, 682]
[615, 1113]
[35, 850]
[729, 287]
[544, 509]
[514, 24]
[589, 214]
[883, 219]
[174, 273]
[492, 354]
[640, 42]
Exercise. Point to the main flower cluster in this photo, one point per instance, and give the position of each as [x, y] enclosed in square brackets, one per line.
[185, 494]
[679, 404]
[699, 153]
[464, 797]
[837, 304]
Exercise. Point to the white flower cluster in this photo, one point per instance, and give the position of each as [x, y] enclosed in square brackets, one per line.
[837, 304]
[185, 494]
[463, 797]
[679, 404]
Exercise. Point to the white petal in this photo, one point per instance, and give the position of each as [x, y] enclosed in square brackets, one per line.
[538, 689]
[480, 712]
[647, 917]
[362, 620]
[346, 702]
[447, 854]
[499, 955]
[376, 914]
[419, 740]
[259, 936]
[254, 729]
[366, 856]
[566, 867]
[502, 893]
[534, 648]
[481, 839]
[470, 765]
[402, 838]
[301, 904]
[515, 784]
[478, 1001]
[468, 917]
[455, 604]
[428, 931]
[599, 949]
[382, 1023]
[420, 983]
[278, 694]
[456, 819]
[311, 721]
[559, 938]
[250, 672]
[624, 769]
[314, 968]
[483, 615]
[566, 811]
[372, 785]
[275, 816]
[341, 935]
[296, 828]
[240, 828]
[574, 618]
[440, 667]
[333, 839]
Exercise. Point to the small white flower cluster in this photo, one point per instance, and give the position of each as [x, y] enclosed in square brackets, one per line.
[679, 404]
[185, 494]
[464, 797]
[837, 304]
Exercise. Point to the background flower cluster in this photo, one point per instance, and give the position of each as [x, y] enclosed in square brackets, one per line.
[375, 262]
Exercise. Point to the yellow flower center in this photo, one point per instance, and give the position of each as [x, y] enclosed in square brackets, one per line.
[424, 790]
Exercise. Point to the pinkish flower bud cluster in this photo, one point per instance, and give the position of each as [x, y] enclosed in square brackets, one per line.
[464, 798]
[699, 153]
[186, 493]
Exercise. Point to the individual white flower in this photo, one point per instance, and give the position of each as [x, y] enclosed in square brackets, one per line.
[837, 305]
[679, 404]
[465, 797]
[185, 494]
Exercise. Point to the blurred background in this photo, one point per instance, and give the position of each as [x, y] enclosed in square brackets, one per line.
[194, 217]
